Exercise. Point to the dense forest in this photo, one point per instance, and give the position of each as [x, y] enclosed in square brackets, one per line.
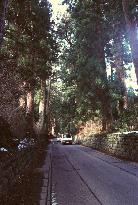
[99, 43]
[28, 51]
[53, 75]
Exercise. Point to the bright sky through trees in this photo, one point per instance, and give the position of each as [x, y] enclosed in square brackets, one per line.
[57, 7]
[59, 10]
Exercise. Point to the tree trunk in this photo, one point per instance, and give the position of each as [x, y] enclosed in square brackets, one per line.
[132, 30]
[48, 114]
[42, 105]
[30, 109]
[3, 7]
[30, 102]
[107, 116]
[120, 71]
[99, 52]
[106, 108]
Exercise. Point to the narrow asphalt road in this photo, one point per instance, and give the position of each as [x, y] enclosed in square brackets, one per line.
[83, 176]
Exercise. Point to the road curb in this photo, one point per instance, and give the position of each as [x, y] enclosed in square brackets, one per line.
[45, 195]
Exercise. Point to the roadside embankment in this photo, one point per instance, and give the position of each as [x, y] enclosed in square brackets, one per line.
[121, 145]
[20, 178]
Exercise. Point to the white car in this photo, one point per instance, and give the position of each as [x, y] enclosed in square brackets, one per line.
[66, 139]
[54, 139]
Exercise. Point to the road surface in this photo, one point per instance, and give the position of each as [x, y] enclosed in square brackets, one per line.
[83, 176]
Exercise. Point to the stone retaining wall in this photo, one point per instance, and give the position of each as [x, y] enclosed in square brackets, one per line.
[121, 145]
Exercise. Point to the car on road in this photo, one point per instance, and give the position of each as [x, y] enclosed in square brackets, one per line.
[54, 139]
[66, 139]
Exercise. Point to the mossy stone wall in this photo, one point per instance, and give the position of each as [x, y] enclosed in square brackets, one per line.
[121, 145]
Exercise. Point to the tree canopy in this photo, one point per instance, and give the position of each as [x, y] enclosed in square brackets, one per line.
[94, 38]
[68, 73]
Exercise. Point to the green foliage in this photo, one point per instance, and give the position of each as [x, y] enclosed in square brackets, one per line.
[92, 36]
[128, 120]
[33, 46]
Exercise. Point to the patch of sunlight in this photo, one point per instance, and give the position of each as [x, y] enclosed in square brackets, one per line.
[54, 202]
[131, 80]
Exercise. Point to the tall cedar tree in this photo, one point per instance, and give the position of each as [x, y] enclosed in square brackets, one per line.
[131, 17]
